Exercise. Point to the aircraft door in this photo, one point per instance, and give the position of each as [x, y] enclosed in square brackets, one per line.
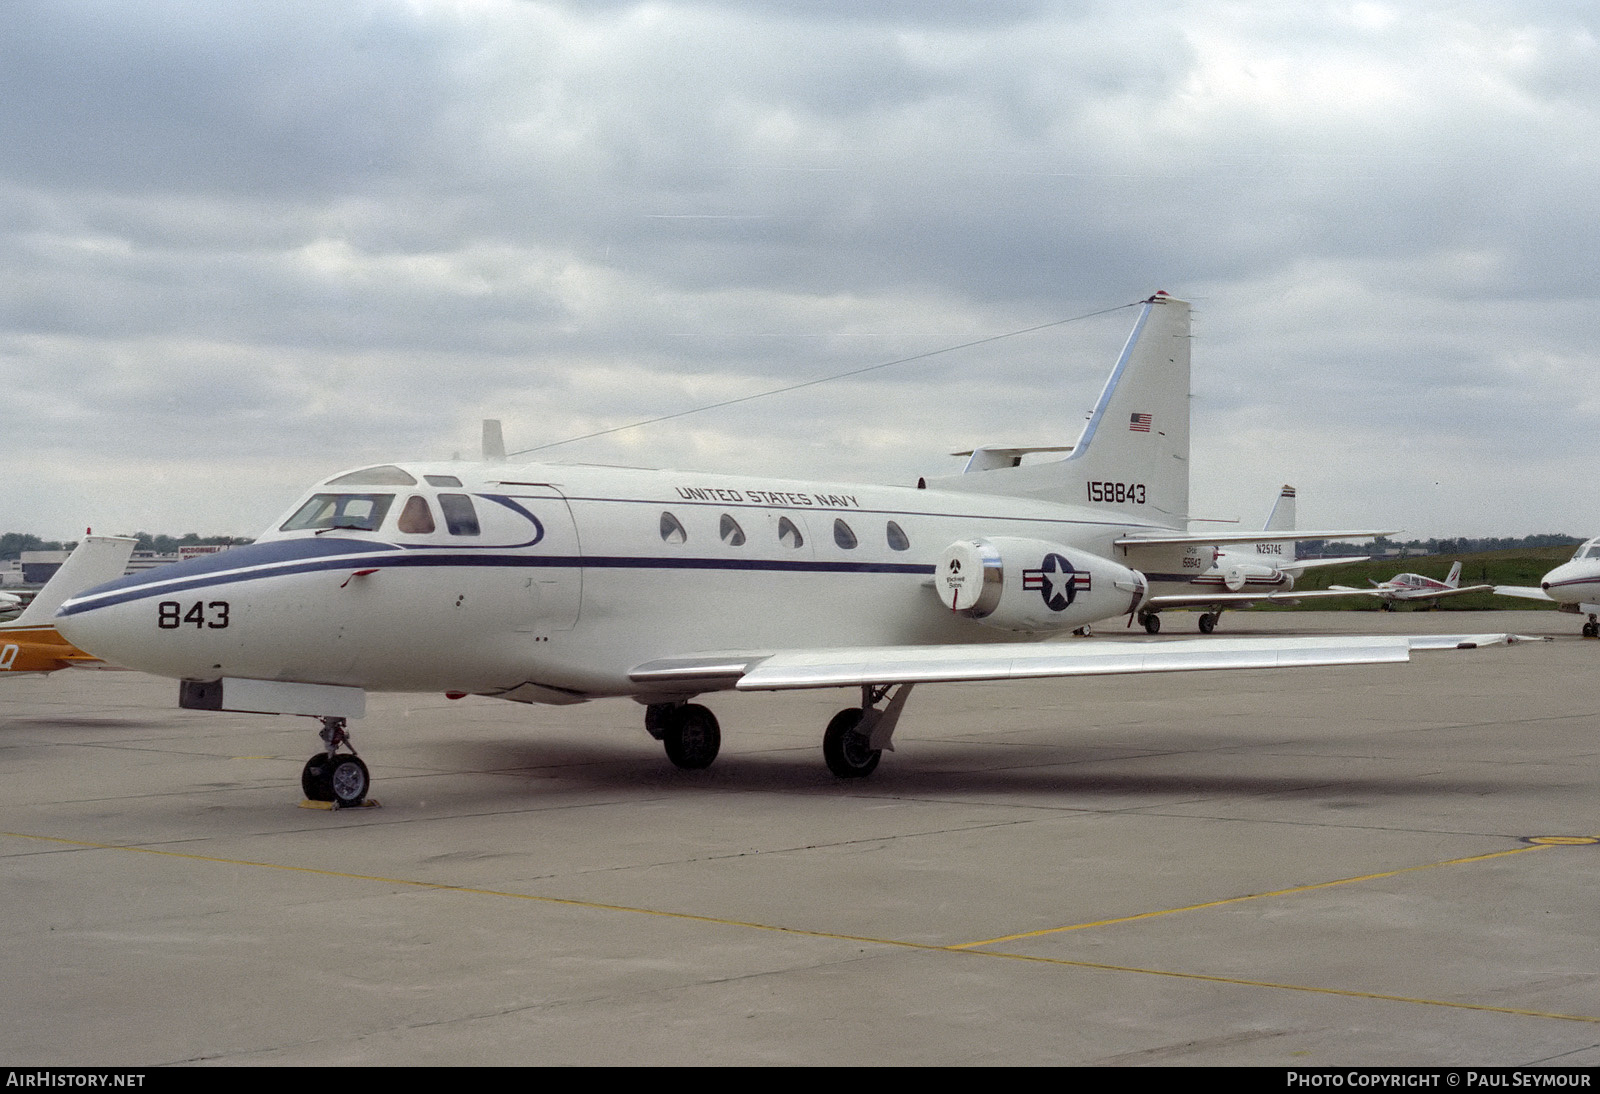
[550, 588]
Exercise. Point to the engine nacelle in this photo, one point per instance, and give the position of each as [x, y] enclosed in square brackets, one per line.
[1237, 576]
[1033, 585]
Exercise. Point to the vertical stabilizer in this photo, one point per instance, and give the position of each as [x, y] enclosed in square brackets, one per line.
[1454, 580]
[95, 561]
[1281, 519]
[1132, 458]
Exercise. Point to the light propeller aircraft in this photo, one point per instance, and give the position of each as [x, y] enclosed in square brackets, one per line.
[1573, 586]
[1404, 587]
[550, 583]
[30, 643]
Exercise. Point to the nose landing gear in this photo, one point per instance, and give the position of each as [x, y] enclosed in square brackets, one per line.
[331, 776]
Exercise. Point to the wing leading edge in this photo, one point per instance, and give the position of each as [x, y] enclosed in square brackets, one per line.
[879, 665]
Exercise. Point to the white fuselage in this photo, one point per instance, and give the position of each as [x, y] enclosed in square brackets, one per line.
[1252, 570]
[573, 576]
[1576, 584]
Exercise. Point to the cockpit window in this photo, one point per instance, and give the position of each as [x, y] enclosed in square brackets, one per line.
[459, 515]
[356, 512]
[416, 519]
[442, 480]
[386, 475]
[1589, 550]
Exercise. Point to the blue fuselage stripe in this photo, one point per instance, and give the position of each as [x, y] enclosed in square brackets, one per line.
[156, 584]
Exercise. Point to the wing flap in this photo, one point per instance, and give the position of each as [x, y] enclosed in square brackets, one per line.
[1200, 600]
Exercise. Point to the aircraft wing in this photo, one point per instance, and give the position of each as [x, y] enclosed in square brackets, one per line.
[1425, 594]
[1210, 539]
[1313, 563]
[1526, 592]
[1200, 600]
[850, 666]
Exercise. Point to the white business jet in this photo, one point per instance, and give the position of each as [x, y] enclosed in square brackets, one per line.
[1263, 570]
[1573, 586]
[1402, 587]
[544, 583]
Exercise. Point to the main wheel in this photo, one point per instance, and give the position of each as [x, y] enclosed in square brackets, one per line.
[692, 736]
[1591, 630]
[315, 778]
[1152, 623]
[849, 754]
[1208, 622]
[349, 781]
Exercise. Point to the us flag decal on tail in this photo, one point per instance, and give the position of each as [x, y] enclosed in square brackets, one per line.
[1139, 423]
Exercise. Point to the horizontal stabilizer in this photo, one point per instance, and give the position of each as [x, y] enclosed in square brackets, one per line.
[990, 456]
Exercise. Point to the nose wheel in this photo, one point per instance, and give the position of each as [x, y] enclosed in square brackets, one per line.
[332, 776]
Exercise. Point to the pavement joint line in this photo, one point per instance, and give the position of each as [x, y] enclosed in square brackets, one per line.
[963, 949]
[1348, 993]
[1225, 901]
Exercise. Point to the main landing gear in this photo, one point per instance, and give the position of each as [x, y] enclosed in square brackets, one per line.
[331, 776]
[853, 744]
[1208, 621]
[1151, 622]
[1591, 629]
[857, 736]
[688, 730]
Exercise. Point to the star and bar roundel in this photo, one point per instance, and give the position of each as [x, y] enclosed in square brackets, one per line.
[1058, 583]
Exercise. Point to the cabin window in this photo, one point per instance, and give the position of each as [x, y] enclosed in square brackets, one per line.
[672, 529]
[386, 475]
[354, 512]
[442, 480]
[416, 519]
[897, 537]
[788, 534]
[843, 536]
[459, 515]
[731, 533]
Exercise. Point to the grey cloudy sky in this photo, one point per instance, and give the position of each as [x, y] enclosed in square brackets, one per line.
[245, 245]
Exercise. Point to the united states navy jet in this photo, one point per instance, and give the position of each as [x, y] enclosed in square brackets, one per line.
[548, 583]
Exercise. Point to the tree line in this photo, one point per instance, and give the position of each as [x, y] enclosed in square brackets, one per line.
[12, 544]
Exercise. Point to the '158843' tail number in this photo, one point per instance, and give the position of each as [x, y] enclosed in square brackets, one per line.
[1117, 493]
[170, 615]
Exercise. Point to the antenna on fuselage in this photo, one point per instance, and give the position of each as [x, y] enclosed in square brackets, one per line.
[494, 445]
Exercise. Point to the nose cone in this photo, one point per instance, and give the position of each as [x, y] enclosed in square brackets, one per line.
[1573, 582]
[193, 619]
